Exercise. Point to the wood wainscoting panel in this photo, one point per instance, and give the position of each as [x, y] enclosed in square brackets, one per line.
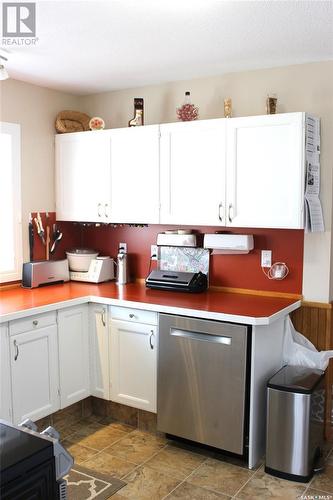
[314, 321]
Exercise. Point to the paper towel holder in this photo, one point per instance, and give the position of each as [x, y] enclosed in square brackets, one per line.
[229, 243]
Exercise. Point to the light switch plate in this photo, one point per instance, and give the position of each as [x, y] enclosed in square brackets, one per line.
[266, 258]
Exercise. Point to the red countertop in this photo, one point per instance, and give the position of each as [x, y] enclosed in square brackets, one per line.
[18, 299]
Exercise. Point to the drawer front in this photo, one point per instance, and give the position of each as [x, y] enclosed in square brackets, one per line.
[134, 315]
[32, 323]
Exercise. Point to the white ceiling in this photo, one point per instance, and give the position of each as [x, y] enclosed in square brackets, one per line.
[93, 46]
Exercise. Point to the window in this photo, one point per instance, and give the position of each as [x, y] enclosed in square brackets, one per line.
[10, 202]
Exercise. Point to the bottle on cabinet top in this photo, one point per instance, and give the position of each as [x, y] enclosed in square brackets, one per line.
[188, 111]
[138, 119]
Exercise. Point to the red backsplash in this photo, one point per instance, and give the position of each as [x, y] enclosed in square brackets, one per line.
[239, 271]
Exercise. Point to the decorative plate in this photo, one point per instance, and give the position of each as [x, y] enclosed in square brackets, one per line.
[96, 123]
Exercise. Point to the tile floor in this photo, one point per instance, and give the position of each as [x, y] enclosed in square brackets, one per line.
[155, 468]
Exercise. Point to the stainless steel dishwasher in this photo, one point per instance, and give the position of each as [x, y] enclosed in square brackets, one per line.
[202, 381]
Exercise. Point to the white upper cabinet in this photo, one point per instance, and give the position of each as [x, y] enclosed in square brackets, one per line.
[108, 176]
[192, 162]
[83, 185]
[244, 172]
[135, 175]
[265, 171]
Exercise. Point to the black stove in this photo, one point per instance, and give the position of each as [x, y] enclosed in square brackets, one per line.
[28, 463]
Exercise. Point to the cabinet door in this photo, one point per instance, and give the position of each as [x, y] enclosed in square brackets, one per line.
[192, 163]
[83, 187]
[5, 382]
[73, 354]
[133, 364]
[265, 171]
[99, 351]
[34, 370]
[135, 175]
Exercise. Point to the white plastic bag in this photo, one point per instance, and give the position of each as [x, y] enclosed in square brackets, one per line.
[299, 351]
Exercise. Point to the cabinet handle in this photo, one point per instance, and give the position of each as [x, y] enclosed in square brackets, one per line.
[103, 318]
[16, 350]
[98, 210]
[35, 322]
[132, 315]
[230, 208]
[105, 210]
[220, 207]
[150, 339]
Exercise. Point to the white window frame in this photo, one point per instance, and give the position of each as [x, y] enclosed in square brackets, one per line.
[14, 129]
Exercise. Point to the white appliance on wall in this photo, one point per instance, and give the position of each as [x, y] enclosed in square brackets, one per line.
[229, 243]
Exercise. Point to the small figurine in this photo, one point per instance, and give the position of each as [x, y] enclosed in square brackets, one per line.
[138, 113]
[188, 111]
[228, 107]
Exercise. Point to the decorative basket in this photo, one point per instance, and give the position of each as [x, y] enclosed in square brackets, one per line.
[71, 121]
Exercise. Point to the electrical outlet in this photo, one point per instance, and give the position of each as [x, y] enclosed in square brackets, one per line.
[153, 252]
[123, 246]
[266, 258]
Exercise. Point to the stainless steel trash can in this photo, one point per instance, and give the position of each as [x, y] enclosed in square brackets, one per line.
[295, 422]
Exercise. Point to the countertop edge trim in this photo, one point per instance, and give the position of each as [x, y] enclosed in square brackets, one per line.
[218, 316]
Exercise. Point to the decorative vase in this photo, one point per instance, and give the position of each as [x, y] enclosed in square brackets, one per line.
[96, 123]
[188, 111]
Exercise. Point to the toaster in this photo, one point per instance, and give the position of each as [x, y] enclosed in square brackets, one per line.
[44, 272]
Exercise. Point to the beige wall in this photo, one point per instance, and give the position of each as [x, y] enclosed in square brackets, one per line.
[307, 87]
[34, 108]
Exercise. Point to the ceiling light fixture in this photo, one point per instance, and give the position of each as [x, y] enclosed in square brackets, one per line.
[3, 72]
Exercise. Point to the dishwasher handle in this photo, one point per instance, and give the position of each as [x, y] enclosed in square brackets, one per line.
[203, 337]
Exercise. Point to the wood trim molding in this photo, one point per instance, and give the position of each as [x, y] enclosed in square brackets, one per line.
[262, 293]
[246, 291]
[8, 286]
[318, 305]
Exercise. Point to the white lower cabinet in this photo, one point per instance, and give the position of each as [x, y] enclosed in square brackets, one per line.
[73, 334]
[50, 361]
[34, 368]
[5, 382]
[99, 351]
[133, 360]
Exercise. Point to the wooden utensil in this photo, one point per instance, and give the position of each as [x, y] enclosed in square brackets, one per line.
[47, 248]
[31, 238]
[47, 252]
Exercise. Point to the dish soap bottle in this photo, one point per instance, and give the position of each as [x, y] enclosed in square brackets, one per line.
[138, 113]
